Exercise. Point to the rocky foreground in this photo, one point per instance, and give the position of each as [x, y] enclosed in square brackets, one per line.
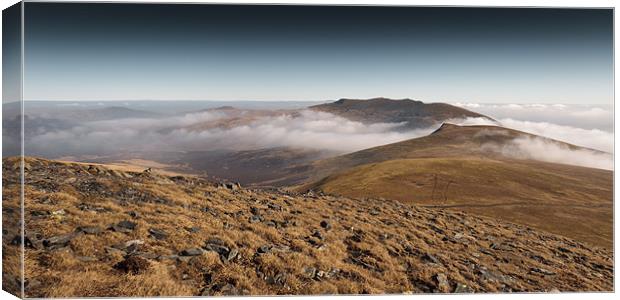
[92, 231]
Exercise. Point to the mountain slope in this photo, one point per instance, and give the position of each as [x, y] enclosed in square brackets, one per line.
[93, 231]
[460, 167]
[415, 114]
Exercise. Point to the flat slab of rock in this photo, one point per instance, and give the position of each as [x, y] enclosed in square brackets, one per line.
[191, 252]
[158, 234]
[124, 226]
[58, 241]
[89, 229]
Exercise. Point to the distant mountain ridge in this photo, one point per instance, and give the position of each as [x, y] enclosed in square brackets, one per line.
[415, 114]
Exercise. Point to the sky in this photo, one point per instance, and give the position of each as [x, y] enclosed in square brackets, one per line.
[109, 51]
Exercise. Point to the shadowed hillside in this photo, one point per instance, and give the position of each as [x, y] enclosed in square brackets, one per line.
[94, 231]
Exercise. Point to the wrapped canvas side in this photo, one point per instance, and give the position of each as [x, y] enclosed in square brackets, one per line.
[13, 237]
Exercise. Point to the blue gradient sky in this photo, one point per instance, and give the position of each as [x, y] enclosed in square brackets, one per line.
[206, 52]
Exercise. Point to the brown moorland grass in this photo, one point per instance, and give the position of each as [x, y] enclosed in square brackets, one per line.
[453, 168]
[579, 206]
[285, 243]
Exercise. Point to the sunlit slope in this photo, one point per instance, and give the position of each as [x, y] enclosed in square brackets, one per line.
[452, 169]
[92, 231]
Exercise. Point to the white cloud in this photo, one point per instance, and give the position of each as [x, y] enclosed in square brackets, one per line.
[579, 116]
[308, 129]
[324, 131]
[545, 150]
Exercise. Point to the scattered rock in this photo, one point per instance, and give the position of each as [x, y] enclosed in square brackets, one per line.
[264, 249]
[29, 241]
[113, 251]
[158, 234]
[129, 246]
[88, 229]
[317, 234]
[147, 255]
[232, 186]
[124, 226]
[168, 257]
[86, 258]
[256, 219]
[192, 252]
[462, 288]
[430, 258]
[192, 229]
[58, 241]
[231, 290]
[325, 224]
[309, 272]
[232, 254]
[443, 286]
[133, 214]
[542, 271]
[219, 249]
[274, 206]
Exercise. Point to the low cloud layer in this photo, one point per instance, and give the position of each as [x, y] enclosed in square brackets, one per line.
[584, 126]
[323, 131]
[549, 151]
[309, 129]
[577, 116]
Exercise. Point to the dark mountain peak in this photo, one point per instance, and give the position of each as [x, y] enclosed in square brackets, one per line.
[374, 101]
[413, 113]
[225, 107]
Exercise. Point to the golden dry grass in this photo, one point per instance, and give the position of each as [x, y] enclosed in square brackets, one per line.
[371, 246]
[576, 202]
[453, 168]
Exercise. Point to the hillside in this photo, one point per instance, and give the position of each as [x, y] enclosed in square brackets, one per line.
[94, 231]
[250, 166]
[415, 114]
[458, 167]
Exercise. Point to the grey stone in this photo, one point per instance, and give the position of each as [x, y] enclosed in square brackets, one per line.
[542, 271]
[309, 272]
[462, 288]
[443, 285]
[86, 258]
[191, 252]
[89, 229]
[264, 249]
[58, 241]
[158, 234]
[232, 254]
[256, 219]
[325, 224]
